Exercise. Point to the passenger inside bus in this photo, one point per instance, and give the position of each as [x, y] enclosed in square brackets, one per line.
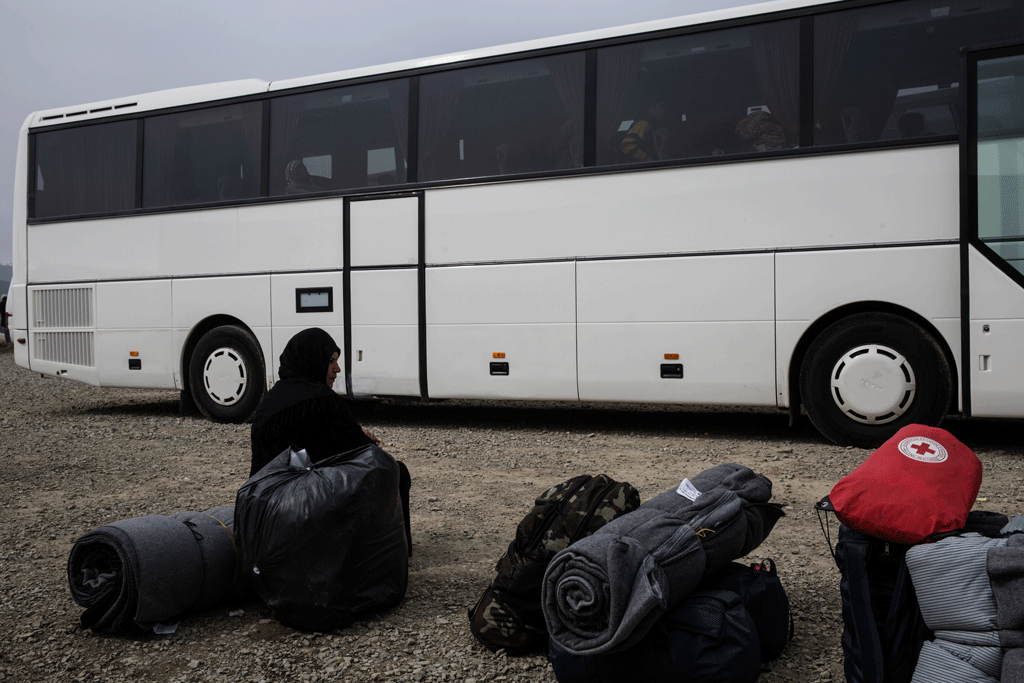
[761, 132]
[303, 411]
[298, 180]
[640, 142]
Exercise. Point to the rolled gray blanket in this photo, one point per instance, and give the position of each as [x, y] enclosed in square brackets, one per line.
[604, 592]
[135, 573]
[1006, 573]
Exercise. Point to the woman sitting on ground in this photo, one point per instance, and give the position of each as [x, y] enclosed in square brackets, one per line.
[303, 411]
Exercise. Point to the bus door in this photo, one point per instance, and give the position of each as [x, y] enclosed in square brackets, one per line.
[992, 233]
[384, 344]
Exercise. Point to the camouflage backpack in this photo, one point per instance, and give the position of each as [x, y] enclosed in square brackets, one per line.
[508, 615]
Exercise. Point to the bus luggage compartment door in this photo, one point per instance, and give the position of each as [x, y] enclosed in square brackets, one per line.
[696, 329]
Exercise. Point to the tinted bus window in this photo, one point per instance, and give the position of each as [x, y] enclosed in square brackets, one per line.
[706, 94]
[516, 117]
[891, 72]
[202, 156]
[340, 138]
[85, 170]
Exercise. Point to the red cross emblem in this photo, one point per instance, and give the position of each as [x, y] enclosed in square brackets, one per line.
[922, 448]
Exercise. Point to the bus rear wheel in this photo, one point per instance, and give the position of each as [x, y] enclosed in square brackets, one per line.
[226, 374]
[867, 376]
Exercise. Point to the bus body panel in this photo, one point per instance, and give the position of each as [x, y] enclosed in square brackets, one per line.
[787, 336]
[631, 329]
[104, 249]
[921, 278]
[117, 305]
[996, 367]
[532, 293]
[17, 300]
[723, 362]
[821, 201]
[127, 331]
[284, 305]
[18, 295]
[736, 288]
[385, 332]
[384, 232]
[287, 319]
[196, 299]
[523, 315]
[541, 361]
[293, 236]
[152, 349]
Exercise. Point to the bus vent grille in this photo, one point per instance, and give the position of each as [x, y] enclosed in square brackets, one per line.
[62, 308]
[72, 348]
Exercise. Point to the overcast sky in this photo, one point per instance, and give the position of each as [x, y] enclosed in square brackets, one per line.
[56, 53]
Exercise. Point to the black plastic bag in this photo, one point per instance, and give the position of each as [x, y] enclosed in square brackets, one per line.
[324, 542]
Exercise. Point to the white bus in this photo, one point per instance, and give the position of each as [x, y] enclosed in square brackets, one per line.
[798, 204]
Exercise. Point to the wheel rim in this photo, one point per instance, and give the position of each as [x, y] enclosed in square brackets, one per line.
[225, 376]
[873, 384]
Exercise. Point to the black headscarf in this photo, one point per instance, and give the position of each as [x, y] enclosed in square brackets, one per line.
[303, 372]
[301, 410]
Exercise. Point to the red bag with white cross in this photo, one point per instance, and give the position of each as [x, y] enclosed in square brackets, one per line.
[920, 482]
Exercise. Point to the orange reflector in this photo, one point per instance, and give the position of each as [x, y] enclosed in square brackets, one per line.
[133, 353]
[498, 354]
[671, 356]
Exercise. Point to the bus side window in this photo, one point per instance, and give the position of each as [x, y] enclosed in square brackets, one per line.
[733, 91]
[339, 138]
[891, 72]
[202, 156]
[523, 116]
[85, 170]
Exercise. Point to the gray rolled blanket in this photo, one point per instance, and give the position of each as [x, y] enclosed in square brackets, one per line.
[604, 592]
[1006, 572]
[136, 573]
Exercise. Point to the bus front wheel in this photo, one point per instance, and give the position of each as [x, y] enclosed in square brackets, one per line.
[226, 374]
[868, 375]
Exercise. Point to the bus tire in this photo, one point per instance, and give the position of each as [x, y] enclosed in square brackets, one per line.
[867, 376]
[227, 375]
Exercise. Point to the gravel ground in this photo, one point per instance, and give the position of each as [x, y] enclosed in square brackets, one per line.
[76, 457]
